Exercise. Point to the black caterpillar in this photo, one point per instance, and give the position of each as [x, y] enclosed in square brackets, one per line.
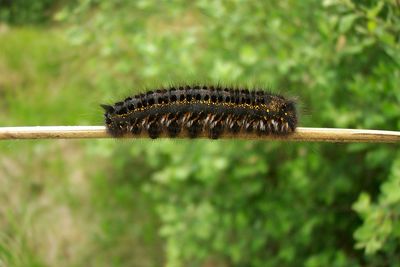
[193, 111]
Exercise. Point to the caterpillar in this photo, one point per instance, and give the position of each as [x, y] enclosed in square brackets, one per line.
[194, 111]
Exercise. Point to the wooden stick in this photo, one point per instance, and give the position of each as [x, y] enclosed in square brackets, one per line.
[301, 134]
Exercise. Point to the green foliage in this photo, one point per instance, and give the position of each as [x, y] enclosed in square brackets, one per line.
[381, 227]
[241, 203]
[258, 204]
[26, 11]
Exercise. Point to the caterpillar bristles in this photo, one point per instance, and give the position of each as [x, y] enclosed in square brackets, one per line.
[194, 111]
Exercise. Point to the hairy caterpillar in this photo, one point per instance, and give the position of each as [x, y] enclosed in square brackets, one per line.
[193, 111]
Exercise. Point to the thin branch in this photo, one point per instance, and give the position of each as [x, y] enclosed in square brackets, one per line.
[301, 134]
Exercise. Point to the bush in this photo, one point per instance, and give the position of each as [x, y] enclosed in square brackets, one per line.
[26, 11]
[256, 203]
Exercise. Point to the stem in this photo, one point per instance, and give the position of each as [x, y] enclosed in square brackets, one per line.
[302, 134]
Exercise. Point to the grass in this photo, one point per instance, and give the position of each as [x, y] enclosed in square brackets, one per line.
[59, 205]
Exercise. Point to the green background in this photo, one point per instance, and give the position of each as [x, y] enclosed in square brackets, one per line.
[199, 203]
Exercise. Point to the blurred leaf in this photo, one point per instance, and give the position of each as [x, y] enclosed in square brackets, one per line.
[347, 21]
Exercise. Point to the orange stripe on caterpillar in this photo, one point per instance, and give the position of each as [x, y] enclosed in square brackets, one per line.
[191, 111]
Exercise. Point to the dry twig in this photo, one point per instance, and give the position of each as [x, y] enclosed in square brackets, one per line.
[301, 134]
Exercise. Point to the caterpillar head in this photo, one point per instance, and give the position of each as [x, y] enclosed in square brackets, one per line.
[288, 114]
